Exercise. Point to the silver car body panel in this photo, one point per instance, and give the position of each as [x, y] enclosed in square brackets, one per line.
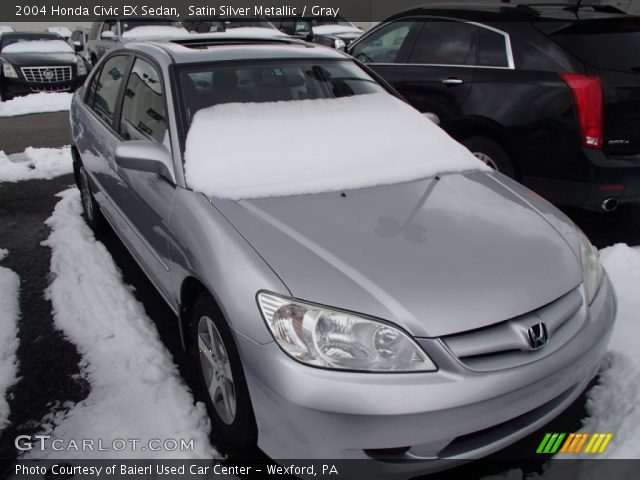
[436, 257]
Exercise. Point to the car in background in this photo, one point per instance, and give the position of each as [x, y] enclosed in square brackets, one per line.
[111, 32]
[441, 317]
[245, 25]
[547, 94]
[38, 62]
[64, 32]
[78, 41]
[334, 32]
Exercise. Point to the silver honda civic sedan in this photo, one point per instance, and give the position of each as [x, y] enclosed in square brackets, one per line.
[350, 282]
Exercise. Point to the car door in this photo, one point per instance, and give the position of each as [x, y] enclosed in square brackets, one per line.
[431, 62]
[144, 199]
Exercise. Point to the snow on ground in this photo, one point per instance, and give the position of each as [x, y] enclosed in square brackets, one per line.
[36, 103]
[136, 391]
[43, 163]
[335, 29]
[363, 141]
[613, 404]
[9, 312]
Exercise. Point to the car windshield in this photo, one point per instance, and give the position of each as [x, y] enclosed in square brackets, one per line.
[7, 40]
[131, 24]
[209, 85]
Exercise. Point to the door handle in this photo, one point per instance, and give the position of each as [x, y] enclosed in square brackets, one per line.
[453, 81]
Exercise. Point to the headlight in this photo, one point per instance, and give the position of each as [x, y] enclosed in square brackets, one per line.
[8, 71]
[591, 267]
[339, 44]
[328, 338]
[82, 68]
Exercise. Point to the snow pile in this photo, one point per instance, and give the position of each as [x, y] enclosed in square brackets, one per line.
[136, 391]
[313, 146]
[64, 32]
[335, 29]
[39, 46]
[259, 32]
[43, 163]
[36, 103]
[154, 31]
[9, 312]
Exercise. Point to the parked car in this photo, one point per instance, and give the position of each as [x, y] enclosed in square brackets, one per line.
[111, 32]
[38, 62]
[78, 41]
[244, 25]
[440, 317]
[335, 32]
[546, 94]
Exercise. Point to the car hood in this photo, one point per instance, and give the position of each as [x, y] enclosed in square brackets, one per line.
[436, 256]
[36, 59]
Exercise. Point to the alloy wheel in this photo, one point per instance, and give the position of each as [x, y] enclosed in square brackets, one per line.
[486, 159]
[216, 369]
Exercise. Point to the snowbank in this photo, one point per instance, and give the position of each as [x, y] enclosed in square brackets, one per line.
[255, 150]
[36, 103]
[335, 29]
[154, 31]
[39, 46]
[136, 391]
[44, 163]
[9, 312]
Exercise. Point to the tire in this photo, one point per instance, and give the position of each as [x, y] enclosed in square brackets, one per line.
[491, 154]
[220, 374]
[90, 208]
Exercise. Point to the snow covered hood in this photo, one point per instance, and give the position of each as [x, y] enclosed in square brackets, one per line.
[313, 146]
[39, 46]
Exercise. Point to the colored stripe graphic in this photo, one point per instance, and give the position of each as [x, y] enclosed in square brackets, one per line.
[553, 443]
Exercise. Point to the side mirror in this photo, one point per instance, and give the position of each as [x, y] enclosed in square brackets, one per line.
[145, 156]
[77, 46]
[108, 35]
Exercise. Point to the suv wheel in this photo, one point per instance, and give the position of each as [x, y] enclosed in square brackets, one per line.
[490, 153]
[221, 376]
[90, 208]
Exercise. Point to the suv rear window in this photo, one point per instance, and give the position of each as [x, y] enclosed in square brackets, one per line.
[612, 45]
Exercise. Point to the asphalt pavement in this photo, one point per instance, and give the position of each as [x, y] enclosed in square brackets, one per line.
[48, 375]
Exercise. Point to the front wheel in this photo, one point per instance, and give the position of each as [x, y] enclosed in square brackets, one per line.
[221, 375]
[490, 153]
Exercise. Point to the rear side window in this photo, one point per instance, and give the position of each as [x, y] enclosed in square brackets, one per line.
[444, 42]
[385, 45]
[107, 87]
[143, 114]
[612, 45]
[492, 49]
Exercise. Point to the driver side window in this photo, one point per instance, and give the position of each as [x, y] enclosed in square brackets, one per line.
[384, 46]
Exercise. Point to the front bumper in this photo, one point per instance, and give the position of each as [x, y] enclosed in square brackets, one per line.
[454, 413]
[12, 88]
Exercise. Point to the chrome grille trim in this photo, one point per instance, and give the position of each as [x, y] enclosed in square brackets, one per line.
[506, 344]
[46, 74]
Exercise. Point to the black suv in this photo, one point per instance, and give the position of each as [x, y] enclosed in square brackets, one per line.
[547, 94]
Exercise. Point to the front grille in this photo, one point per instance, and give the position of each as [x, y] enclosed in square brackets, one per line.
[506, 344]
[51, 88]
[46, 74]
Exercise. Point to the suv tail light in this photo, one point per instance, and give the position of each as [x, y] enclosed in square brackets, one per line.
[587, 95]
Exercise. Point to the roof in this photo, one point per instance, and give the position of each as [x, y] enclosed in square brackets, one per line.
[229, 47]
[28, 34]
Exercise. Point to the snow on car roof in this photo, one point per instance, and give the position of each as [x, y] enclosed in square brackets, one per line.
[38, 46]
[314, 146]
[154, 31]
